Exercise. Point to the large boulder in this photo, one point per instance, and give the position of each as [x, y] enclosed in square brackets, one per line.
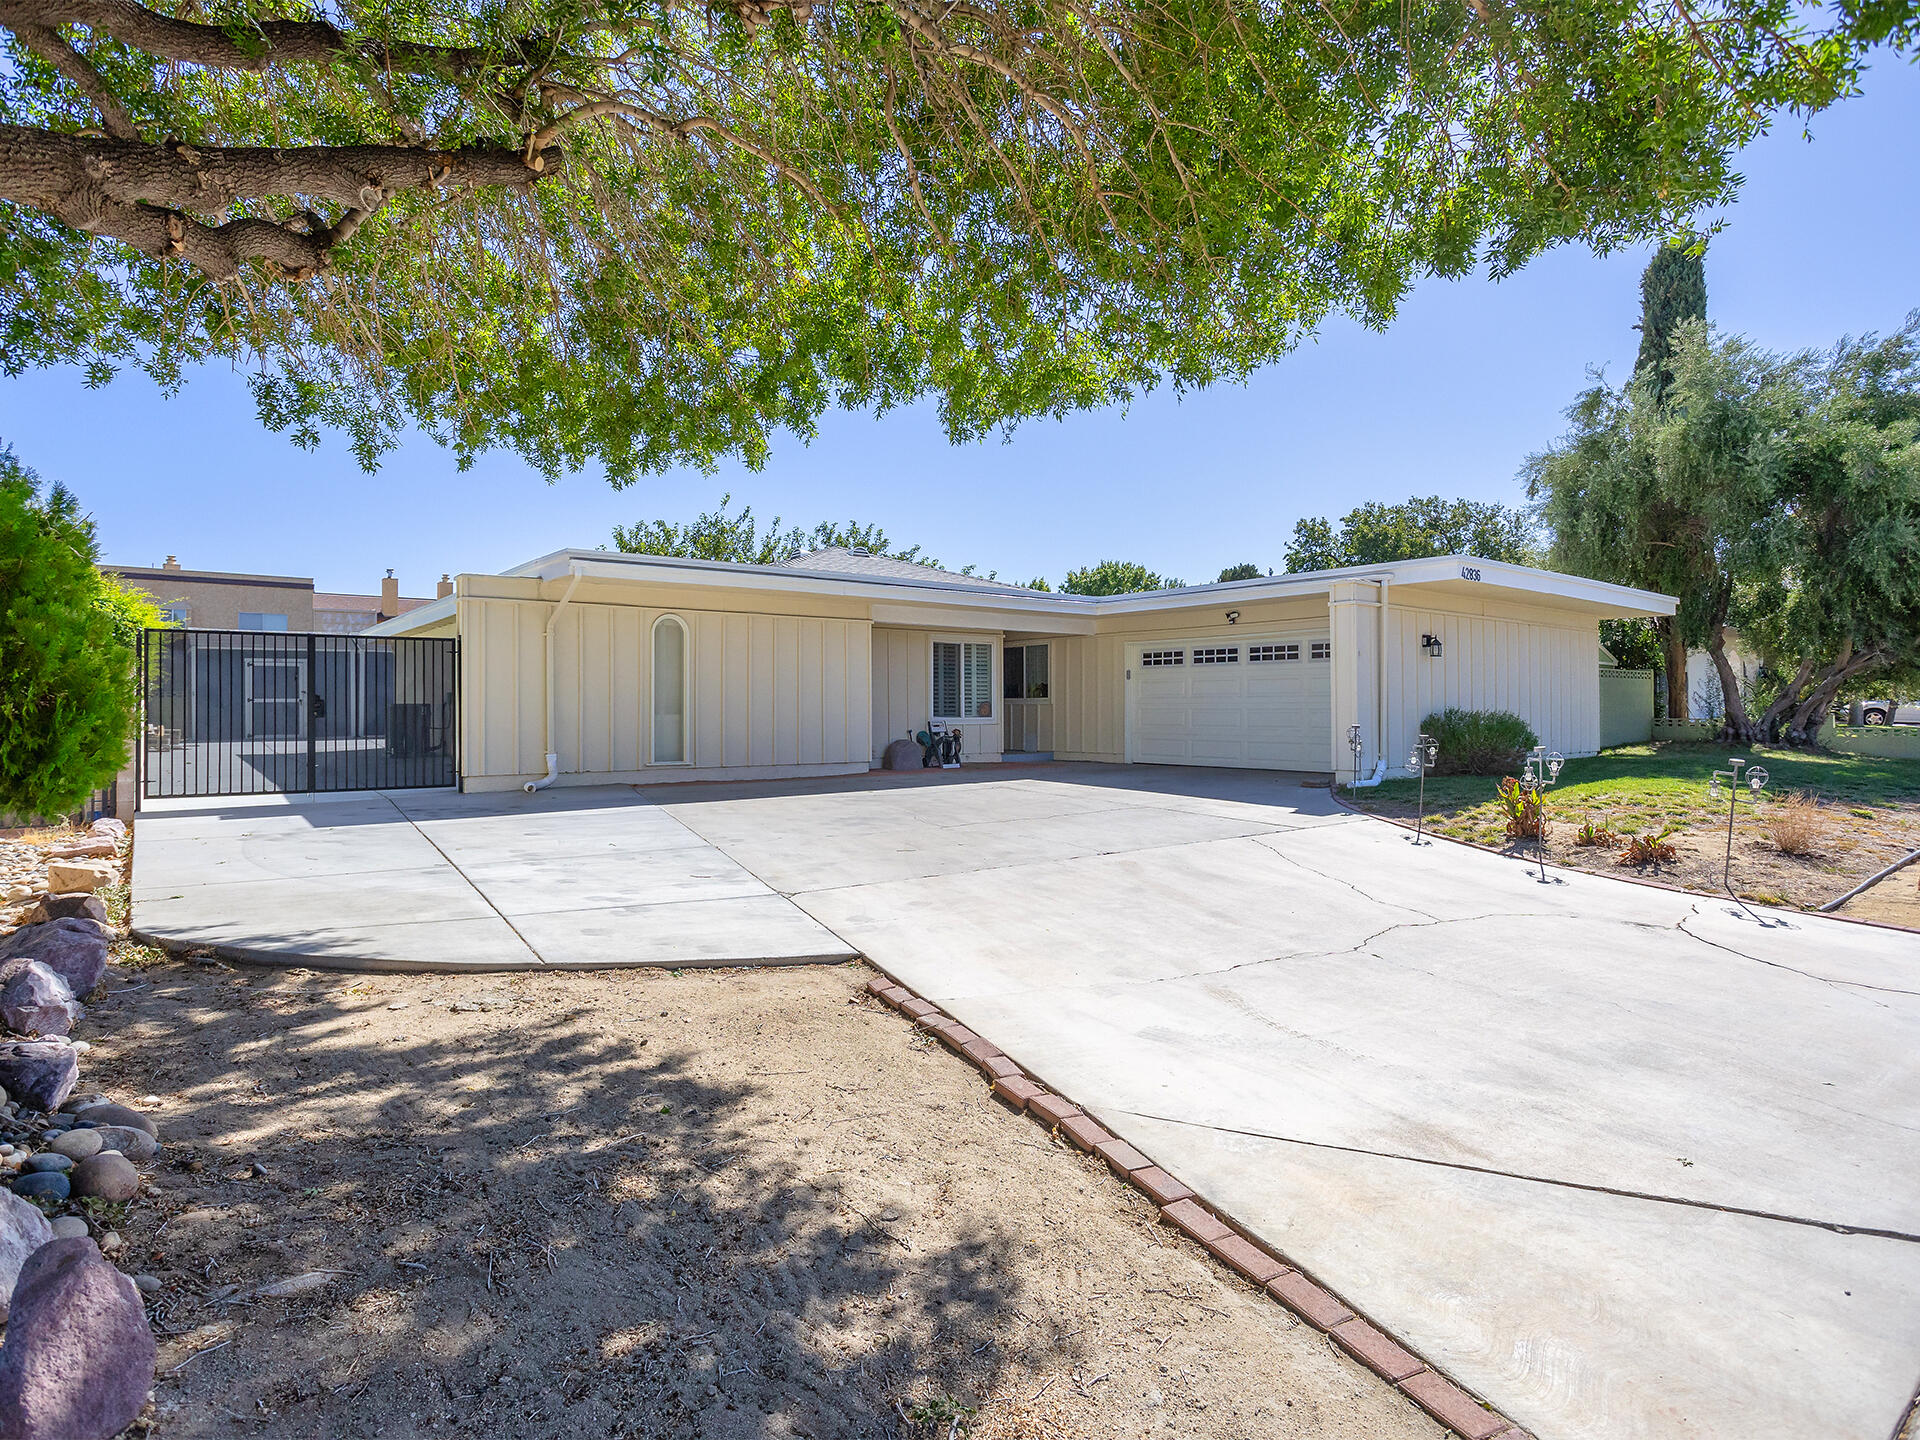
[71, 907]
[77, 1362]
[107, 825]
[901, 755]
[73, 948]
[23, 1230]
[66, 877]
[36, 999]
[39, 1074]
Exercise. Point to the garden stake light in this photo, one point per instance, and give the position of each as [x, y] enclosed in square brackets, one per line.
[1420, 759]
[1542, 770]
[1353, 744]
[1755, 781]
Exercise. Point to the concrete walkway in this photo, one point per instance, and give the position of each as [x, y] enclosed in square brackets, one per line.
[1627, 1163]
[431, 880]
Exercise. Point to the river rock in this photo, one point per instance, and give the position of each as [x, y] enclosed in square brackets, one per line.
[66, 1227]
[136, 1145]
[36, 1000]
[48, 1162]
[106, 1176]
[39, 1073]
[73, 948]
[78, 1358]
[71, 907]
[42, 1185]
[76, 1144]
[23, 1230]
[105, 1112]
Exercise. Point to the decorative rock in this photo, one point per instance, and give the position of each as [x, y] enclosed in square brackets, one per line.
[42, 1185]
[136, 1145]
[78, 1358]
[48, 1162]
[148, 1284]
[23, 1230]
[74, 949]
[76, 1144]
[68, 1227]
[108, 1113]
[36, 1000]
[107, 825]
[80, 1100]
[71, 907]
[296, 1285]
[106, 1176]
[69, 877]
[110, 1242]
[40, 1072]
[901, 755]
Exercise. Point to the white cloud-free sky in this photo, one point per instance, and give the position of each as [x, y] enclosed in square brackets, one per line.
[1450, 399]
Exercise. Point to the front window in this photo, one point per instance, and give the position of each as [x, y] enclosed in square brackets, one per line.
[262, 620]
[962, 680]
[1024, 672]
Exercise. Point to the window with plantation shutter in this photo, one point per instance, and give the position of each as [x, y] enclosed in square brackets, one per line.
[962, 680]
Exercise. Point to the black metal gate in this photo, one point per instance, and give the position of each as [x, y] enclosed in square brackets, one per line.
[251, 712]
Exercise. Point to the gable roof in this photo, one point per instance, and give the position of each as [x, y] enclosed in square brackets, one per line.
[838, 560]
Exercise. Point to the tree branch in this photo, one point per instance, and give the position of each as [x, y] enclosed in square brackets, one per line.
[50, 45]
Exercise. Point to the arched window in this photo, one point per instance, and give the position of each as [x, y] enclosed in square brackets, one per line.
[669, 691]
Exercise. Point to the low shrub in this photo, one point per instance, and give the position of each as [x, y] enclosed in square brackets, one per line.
[1479, 742]
[1651, 847]
[1595, 832]
[1796, 825]
[1526, 811]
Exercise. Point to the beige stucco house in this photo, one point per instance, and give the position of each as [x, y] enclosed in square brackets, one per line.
[641, 668]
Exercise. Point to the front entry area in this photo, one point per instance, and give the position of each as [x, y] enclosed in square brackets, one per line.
[1263, 703]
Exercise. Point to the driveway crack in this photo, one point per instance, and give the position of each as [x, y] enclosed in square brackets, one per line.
[454, 865]
[1831, 1226]
[1311, 870]
[1681, 926]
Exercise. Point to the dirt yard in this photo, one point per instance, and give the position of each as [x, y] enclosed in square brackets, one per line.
[715, 1204]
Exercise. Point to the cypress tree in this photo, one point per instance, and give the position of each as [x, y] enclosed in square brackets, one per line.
[1673, 288]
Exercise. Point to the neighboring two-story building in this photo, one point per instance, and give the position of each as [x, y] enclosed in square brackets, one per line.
[228, 600]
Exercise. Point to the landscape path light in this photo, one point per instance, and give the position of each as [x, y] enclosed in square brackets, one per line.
[1754, 781]
[1353, 744]
[1420, 759]
[1541, 771]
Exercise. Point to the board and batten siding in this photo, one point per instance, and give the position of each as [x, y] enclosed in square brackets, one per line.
[1541, 670]
[769, 695]
[902, 698]
[1087, 682]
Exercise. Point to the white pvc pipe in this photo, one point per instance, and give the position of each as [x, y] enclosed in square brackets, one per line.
[553, 755]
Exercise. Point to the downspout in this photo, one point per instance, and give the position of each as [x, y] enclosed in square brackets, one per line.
[1380, 698]
[553, 755]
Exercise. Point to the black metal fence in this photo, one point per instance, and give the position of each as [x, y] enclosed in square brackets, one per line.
[249, 712]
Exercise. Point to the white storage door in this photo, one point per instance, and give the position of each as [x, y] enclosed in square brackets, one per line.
[1264, 702]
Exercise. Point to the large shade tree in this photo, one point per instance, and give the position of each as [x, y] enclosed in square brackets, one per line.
[1774, 495]
[651, 233]
[1377, 533]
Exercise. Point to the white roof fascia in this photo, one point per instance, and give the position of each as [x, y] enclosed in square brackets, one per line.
[418, 618]
[1497, 574]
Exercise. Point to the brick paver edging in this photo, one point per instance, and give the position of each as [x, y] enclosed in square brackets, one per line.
[1189, 1213]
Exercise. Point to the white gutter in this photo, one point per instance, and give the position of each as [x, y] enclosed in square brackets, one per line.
[1380, 697]
[553, 754]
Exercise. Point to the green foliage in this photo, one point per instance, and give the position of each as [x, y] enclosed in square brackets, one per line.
[1775, 494]
[1240, 572]
[1651, 847]
[1633, 643]
[1673, 289]
[1376, 533]
[769, 211]
[67, 691]
[1039, 582]
[1525, 809]
[717, 535]
[1593, 833]
[1115, 577]
[1479, 742]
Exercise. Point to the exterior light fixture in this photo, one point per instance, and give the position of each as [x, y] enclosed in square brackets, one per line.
[1431, 644]
[1729, 782]
[1542, 770]
[1353, 744]
[1233, 617]
[1426, 750]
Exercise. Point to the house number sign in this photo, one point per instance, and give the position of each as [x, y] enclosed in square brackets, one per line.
[1469, 572]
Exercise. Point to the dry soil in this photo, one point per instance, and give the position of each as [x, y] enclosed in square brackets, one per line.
[716, 1204]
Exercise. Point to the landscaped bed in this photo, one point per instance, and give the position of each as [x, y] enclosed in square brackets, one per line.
[1864, 815]
[641, 1204]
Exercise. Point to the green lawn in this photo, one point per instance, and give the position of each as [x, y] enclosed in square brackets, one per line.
[1639, 787]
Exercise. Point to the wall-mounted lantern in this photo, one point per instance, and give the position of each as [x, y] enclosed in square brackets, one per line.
[1233, 617]
[1431, 644]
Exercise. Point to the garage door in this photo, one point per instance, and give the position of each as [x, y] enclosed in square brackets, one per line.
[1265, 702]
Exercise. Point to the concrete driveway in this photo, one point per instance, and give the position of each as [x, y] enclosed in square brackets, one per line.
[1628, 1163]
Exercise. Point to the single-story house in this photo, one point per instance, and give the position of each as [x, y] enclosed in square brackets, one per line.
[599, 667]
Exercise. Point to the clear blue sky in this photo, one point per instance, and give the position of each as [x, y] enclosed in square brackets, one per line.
[1450, 399]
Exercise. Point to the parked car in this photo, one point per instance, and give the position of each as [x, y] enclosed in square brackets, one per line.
[1884, 712]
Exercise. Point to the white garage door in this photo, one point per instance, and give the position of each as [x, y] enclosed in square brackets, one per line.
[1265, 702]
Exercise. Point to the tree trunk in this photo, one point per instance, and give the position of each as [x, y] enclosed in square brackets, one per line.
[1738, 728]
[1676, 648]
